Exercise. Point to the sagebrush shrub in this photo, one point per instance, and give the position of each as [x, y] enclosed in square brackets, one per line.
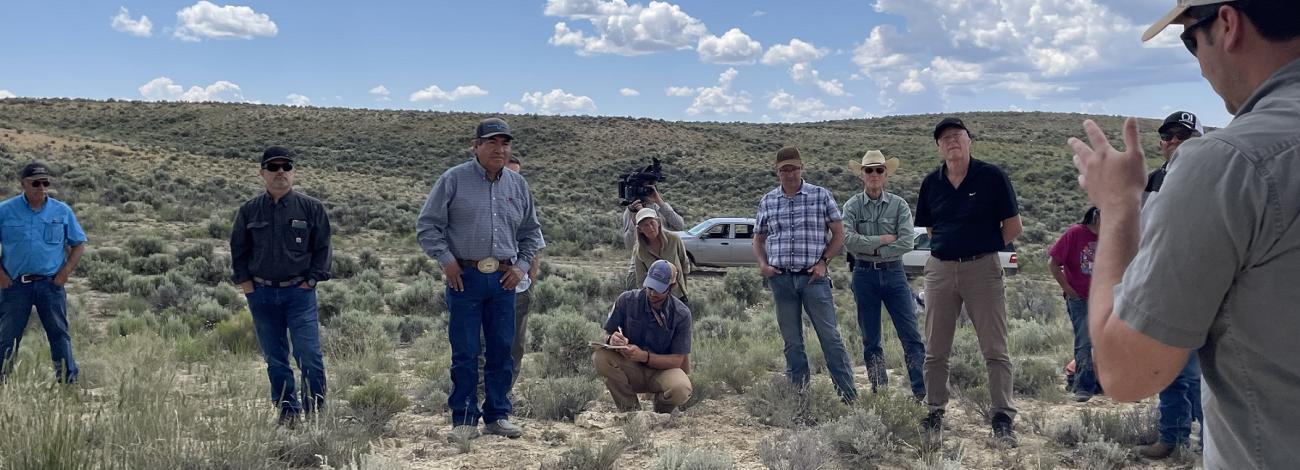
[681, 458]
[859, 437]
[794, 451]
[556, 398]
[377, 402]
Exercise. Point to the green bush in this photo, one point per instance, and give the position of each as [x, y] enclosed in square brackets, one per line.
[565, 343]
[1037, 377]
[370, 260]
[422, 297]
[794, 451]
[680, 458]
[109, 278]
[583, 457]
[157, 263]
[859, 438]
[343, 266]
[414, 265]
[236, 334]
[556, 398]
[777, 402]
[376, 403]
[129, 324]
[141, 246]
[745, 285]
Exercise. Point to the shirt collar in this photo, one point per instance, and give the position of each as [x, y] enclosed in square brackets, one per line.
[1287, 75]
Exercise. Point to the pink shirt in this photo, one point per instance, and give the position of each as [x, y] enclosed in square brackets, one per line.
[1075, 251]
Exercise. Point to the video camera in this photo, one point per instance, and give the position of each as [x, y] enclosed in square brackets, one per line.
[632, 186]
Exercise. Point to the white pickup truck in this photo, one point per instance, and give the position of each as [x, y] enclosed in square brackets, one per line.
[914, 261]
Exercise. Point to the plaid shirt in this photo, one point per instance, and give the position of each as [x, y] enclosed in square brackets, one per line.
[469, 217]
[796, 227]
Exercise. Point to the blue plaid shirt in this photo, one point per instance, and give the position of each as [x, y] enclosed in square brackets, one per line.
[796, 227]
[469, 217]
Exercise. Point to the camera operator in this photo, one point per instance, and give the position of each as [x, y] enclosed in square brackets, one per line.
[653, 199]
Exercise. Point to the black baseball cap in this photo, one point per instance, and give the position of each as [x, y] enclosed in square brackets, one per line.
[1185, 119]
[277, 153]
[34, 170]
[946, 123]
[492, 127]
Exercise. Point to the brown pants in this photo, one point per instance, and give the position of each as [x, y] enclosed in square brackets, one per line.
[625, 378]
[978, 285]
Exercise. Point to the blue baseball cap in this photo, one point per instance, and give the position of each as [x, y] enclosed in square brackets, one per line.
[659, 277]
[491, 127]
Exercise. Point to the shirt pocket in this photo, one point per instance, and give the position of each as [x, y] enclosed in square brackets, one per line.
[297, 238]
[260, 232]
[54, 231]
[14, 231]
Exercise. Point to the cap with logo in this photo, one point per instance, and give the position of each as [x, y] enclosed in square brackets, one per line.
[946, 123]
[659, 277]
[492, 127]
[278, 153]
[1173, 15]
[788, 156]
[1185, 119]
[34, 170]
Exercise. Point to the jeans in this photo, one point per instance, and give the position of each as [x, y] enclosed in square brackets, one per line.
[51, 304]
[1180, 404]
[483, 308]
[284, 317]
[1085, 377]
[870, 288]
[792, 293]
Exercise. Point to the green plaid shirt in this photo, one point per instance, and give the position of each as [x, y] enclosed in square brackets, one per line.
[866, 220]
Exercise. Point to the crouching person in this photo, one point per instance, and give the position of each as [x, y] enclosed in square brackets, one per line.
[655, 328]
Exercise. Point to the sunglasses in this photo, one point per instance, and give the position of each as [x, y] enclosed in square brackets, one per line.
[38, 183]
[874, 169]
[274, 167]
[1189, 32]
[1181, 134]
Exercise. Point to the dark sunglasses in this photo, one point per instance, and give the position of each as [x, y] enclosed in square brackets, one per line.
[1189, 31]
[1181, 134]
[36, 183]
[876, 169]
[274, 167]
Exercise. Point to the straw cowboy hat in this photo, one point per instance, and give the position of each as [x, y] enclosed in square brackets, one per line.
[875, 158]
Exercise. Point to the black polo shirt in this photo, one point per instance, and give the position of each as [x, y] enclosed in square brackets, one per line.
[966, 220]
[667, 334]
[280, 240]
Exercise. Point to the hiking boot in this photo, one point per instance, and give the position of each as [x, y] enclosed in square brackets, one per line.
[1003, 430]
[1157, 451]
[463, 432]
[1082, 396]
[932, 427]
[503, 427]
[877, 374]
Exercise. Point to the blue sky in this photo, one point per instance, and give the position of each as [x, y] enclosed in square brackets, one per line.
[706, 60]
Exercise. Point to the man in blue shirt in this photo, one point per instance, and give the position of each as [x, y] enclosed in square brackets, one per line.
[480, 224]
[41, 242]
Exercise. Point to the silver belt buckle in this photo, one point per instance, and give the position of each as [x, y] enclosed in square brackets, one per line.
[488, 265]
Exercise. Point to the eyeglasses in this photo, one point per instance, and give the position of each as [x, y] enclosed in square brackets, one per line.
[874, 169]
[274, 167]
[1189, 36]
[39, 183]
[1181, 133]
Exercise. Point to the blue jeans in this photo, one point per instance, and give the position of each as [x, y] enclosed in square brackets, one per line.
[793, 293]
[284, 316]
[483, 308]
[1085, 377]
[1180, 404]
[870, 288]
[51, 304]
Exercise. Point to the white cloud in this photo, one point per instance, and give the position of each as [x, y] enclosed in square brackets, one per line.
[758, 13]
[721, 99]
[558, 101]
[434, 93]
[804, 74]
[295, 99]
[512, 108]
[7, 94]
[629, 92]
[793, 109]
[680, 91]
[734, 47]
[164, 89]
[124, 23]
[208, 20]
[622, 29]
[912, 85]
[856, 77]
[793, 53]
[380, 93]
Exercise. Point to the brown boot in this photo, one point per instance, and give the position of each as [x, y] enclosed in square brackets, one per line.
[1157, 451]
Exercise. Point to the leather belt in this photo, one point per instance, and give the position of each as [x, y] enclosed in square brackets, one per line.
[30, 278]
[485, 265]
[289, 283]
[967, 259]
[878, 265]
[803, 271]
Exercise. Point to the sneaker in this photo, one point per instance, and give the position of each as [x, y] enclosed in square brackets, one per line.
[463, 432]
[1003, 430]
[932, 427]
[1157, 451]
[503, 427]
[1082, 396]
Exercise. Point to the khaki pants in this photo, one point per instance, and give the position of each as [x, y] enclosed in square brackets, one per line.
[978, 285]
[625, 378]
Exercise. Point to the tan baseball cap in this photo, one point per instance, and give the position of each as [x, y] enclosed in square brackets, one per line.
[1178, 10]
[788, 156]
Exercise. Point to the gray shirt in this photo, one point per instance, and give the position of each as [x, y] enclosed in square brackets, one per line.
[469, 217]
[667, 216]
[866, 219]
[1216, 270]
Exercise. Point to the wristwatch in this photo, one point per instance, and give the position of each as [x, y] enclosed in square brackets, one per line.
[311, 283]
[824, 261]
